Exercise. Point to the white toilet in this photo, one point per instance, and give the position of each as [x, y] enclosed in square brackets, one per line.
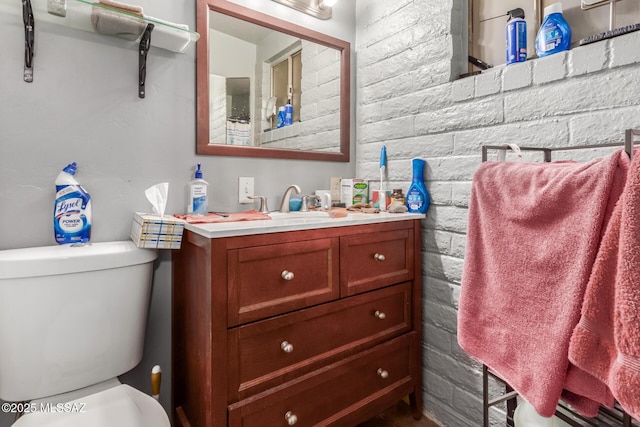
[71, 320]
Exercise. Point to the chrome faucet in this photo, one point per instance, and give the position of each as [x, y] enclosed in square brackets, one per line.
[284, 206]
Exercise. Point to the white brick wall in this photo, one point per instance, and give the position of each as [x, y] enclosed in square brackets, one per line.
[406, 52]
[319, 125]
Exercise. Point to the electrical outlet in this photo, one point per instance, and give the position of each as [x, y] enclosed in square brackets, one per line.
[245, 189]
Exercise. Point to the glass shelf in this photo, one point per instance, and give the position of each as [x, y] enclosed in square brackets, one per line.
[94, 17]
[88, 15]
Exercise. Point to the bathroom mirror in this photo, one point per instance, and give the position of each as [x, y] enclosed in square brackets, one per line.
[244, 54]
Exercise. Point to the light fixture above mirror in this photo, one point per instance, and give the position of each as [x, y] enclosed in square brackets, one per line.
[320, 9]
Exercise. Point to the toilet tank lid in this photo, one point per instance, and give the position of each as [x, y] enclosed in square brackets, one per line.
[66, 259]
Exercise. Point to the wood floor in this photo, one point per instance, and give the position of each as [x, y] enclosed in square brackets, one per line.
[398, 416]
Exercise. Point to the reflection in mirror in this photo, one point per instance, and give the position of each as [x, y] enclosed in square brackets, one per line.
[276, 89]
[287, 71]
[230, 110]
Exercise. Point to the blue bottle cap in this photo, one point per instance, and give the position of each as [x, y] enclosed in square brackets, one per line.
[198, 172]
[71, 168]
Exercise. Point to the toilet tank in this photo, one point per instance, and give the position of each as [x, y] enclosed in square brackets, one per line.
[71, 316]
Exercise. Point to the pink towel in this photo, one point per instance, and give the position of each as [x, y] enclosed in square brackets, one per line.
[606, 342]
[251, 215]
[533, 234]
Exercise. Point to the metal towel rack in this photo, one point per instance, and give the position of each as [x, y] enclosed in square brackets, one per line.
[629, 142]
[617, 414]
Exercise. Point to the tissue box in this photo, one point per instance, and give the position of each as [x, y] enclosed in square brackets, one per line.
[151, 231]
[353, 191]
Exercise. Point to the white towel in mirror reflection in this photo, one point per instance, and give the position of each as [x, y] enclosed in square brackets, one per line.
[238, 132]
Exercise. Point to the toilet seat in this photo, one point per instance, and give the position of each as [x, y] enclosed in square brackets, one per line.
[121, 406]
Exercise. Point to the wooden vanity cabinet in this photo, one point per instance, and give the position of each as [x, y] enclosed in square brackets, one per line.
[310, 327]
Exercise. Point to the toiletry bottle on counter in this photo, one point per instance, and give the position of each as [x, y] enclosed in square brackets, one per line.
[288, 114]
[417, 197]
[397, 196]
[281, 117]
[198, 194]
[72, 210]
[554, 34]
[516, 37]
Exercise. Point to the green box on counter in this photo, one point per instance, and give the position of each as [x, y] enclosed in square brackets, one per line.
[354, 190]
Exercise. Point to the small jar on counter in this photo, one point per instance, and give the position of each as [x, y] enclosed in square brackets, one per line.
[397, 196]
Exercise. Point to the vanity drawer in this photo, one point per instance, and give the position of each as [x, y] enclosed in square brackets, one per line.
[264, 281]
[336, 395]
[373, 260]
[284, 347]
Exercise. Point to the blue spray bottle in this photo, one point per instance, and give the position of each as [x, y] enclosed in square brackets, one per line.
[516, 36]
[418, 199]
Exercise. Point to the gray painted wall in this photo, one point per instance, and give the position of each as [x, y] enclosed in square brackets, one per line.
[83, 106]
[408, 52]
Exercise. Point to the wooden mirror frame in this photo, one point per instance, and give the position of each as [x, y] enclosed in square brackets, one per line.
[202, 84]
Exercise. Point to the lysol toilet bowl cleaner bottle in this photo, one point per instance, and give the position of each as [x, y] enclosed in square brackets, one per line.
[418, 199]
[516, 37]
[72, 209]
[554, 34]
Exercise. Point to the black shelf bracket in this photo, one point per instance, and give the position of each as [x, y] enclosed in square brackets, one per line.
[29, 39]
[145, 44]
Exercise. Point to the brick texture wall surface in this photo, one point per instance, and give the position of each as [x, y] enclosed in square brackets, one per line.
[319, 125]
[408, 100]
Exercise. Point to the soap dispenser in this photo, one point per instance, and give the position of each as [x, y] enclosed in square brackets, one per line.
[198, 192]
[418, 199]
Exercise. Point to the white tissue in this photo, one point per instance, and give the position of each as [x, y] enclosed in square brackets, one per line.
[157, 196]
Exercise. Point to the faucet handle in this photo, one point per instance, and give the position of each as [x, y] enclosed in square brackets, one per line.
[305, 204]
[263, 203]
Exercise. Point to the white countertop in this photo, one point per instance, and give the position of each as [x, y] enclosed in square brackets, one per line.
[294, 222]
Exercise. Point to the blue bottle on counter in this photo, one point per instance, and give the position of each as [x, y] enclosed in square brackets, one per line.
[288, 114]
[418, 199]
[280, 118]
[72, 210]
[554, 34]
[516, 37]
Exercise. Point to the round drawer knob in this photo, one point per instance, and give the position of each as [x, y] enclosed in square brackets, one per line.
[287, 275]
[379, 257]
[382, 373]
[291, 418]
[380, 315]
[286, 347]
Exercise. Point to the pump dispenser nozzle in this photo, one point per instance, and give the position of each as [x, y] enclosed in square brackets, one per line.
[198, 172]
